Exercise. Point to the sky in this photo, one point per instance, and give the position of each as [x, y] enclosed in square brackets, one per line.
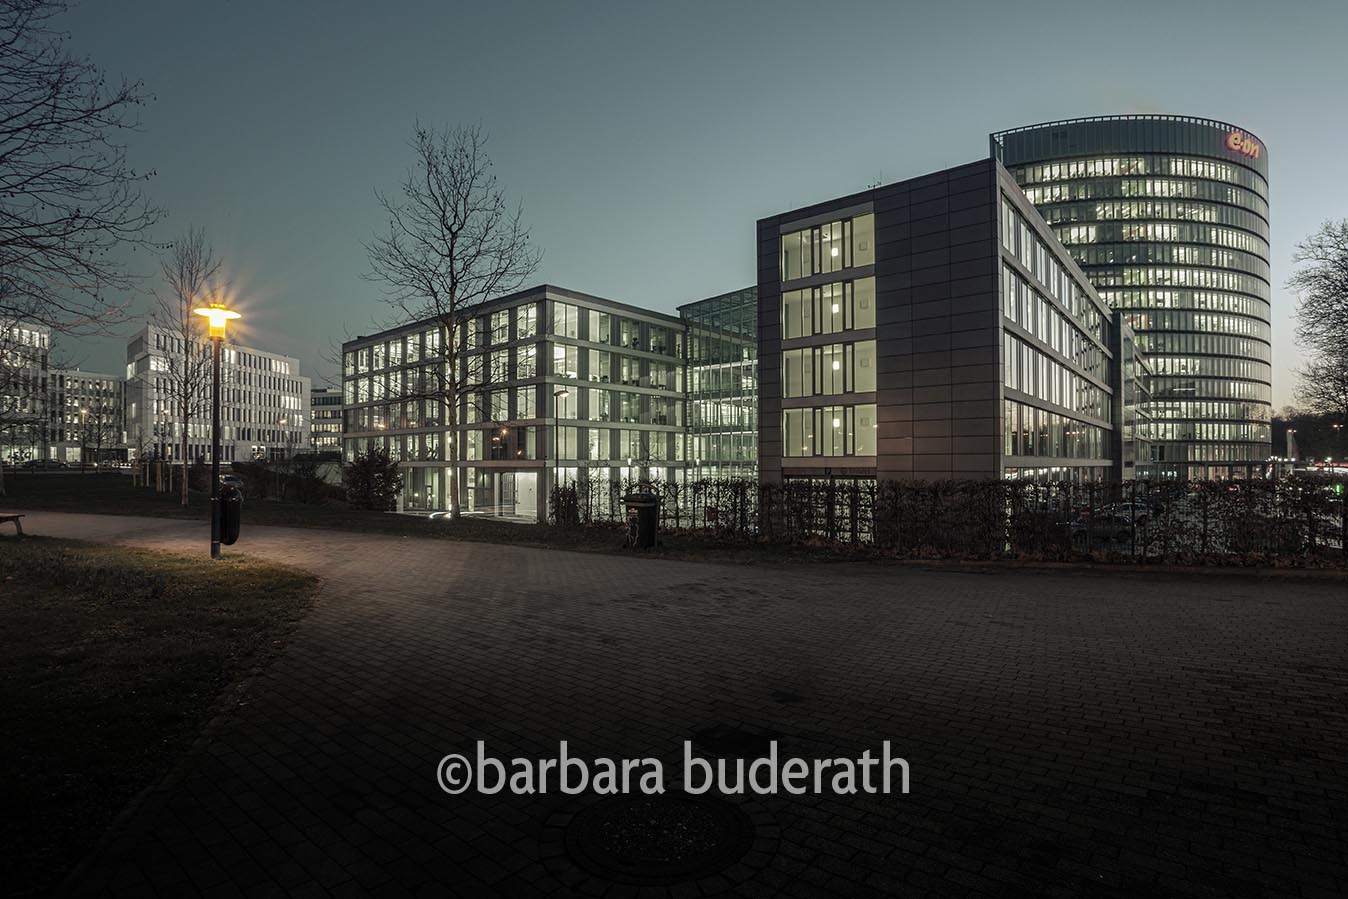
[645, 139]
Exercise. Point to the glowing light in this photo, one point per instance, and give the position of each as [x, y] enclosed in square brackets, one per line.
[837, 422]
[836, 365]
[834, 252]
[217, 315]
[835, 308]
[1240, 142]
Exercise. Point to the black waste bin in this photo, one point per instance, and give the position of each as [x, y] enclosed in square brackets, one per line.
[643, 517]
[231, 512]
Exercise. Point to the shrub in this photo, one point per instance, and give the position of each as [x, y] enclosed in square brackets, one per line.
[372, 481]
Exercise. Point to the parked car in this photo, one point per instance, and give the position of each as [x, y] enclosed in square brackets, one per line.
[232, 480]
[44, 465]
[1137, 512]
[1103, 527]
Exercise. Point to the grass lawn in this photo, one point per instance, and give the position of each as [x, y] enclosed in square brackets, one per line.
[111, 661]
[113, 493]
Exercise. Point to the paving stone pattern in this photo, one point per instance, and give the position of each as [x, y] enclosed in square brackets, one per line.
[1068, 734]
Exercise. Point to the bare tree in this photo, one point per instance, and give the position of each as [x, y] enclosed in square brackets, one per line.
[453, 243]
[190, 270]
[1321, 284]
[68, 198]
[1323, 384]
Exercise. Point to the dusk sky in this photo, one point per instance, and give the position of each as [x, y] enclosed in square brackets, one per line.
[645, 140]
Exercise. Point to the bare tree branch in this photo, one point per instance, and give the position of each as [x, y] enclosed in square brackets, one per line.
[68, 196]
[453, 243]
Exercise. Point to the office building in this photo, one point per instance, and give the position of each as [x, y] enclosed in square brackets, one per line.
[930, 329]
[85, 417]
[325, 420]
[722, 386]
[559, 386]
[24, 370]
[264, 401]
[1169, 218]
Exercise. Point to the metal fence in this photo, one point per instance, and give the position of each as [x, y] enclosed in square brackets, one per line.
[1289, 519]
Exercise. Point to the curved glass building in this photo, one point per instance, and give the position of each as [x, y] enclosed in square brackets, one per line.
[1168, 217]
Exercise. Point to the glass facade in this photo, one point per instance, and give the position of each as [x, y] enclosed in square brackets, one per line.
[1168, 216]
[722, 385]
[1056, 363]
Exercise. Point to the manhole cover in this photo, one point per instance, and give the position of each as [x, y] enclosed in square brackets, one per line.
[662, 839]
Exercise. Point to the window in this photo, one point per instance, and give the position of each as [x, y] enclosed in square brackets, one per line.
[526, 321]
[564, 405]
[565, 320]
[500, 366]
[597, 444]
[830, 431]
[798, 372]
[566, 443]
[828, 309]
[829, 247]
[598, 366]
[500, 405]
[798, 432]
[500, 327]
[565, 361]
[525, 398]
[863, 366]
[526, 361]
[832, 369]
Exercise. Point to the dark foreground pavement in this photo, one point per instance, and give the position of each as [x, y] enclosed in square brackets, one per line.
[1067, 734]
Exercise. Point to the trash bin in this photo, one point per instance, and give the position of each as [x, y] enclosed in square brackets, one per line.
[231, 511]
[643, 517]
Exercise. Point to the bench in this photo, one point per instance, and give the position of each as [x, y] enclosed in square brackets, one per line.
[18, 525]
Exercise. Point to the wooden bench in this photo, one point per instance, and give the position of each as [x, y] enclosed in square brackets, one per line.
[18, 525]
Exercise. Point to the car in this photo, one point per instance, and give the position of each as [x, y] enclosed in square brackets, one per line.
[1103, 526]
[44, 465]
[1138, 512]
[232, 480]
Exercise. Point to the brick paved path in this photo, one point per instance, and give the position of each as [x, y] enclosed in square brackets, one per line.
[1067, 734]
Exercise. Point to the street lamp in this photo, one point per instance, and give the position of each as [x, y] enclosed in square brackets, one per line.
[218, 316]
[84, 436]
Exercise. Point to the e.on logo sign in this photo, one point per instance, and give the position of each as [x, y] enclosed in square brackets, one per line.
[1245, 144]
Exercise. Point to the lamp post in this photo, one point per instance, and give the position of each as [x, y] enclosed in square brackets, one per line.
[217, 315]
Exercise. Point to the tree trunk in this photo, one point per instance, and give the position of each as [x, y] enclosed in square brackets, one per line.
[186, 421]
[2, 481]
[452, 451]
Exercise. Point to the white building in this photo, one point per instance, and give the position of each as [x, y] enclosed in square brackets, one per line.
[264, 402]
[85, 415]
[24, 352]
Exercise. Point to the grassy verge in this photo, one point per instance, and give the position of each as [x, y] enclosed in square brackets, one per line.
[111, 661]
